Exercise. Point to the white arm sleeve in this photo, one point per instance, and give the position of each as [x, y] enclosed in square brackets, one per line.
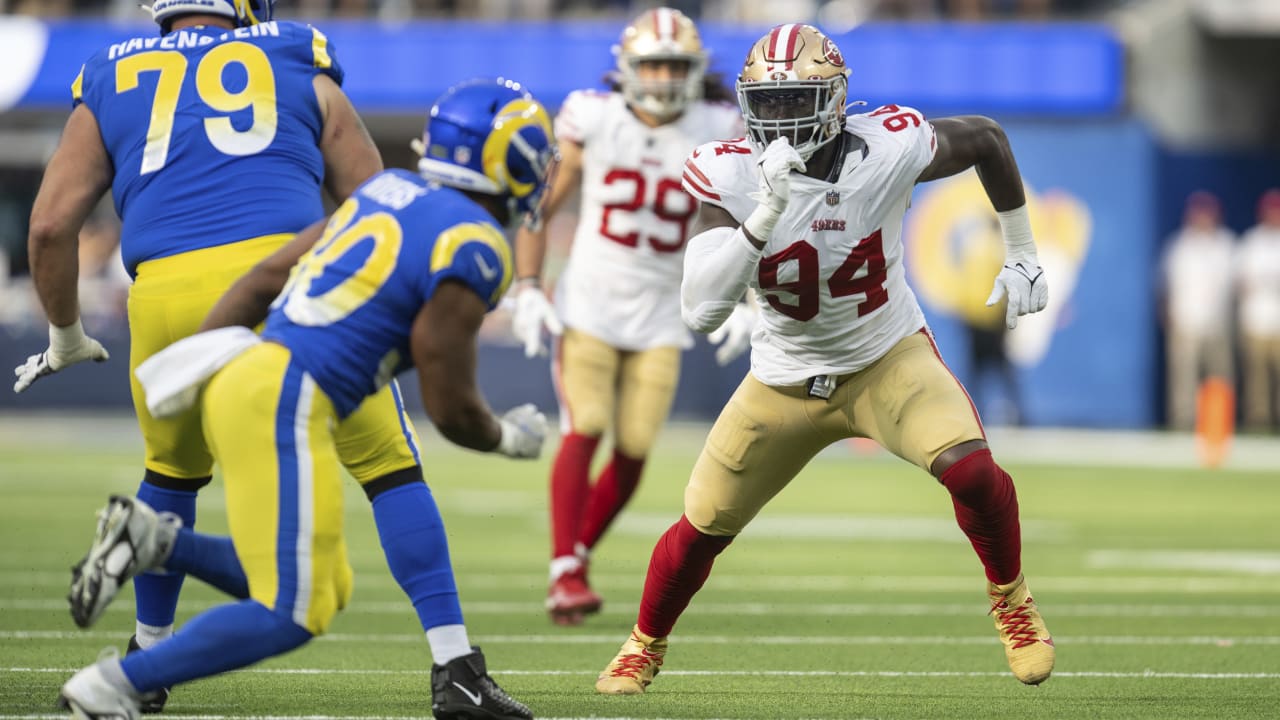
[718, 265]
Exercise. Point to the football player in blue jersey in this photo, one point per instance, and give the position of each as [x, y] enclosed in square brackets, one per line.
[215, 138]
[400, 276]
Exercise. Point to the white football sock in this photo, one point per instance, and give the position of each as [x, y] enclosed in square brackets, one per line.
[149, 635]
[448, 642]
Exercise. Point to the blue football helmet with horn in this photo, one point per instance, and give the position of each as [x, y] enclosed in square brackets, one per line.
[490, 136]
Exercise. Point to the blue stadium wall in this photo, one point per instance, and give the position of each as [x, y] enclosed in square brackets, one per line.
[1058, 90]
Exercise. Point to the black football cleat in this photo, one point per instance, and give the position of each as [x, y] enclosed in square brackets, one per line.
[462, 690]
[152, 702]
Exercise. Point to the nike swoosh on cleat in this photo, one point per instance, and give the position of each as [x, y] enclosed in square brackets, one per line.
[472, 696]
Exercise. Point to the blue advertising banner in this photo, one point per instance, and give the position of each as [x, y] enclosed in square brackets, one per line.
[1088, 359]
[942, 68]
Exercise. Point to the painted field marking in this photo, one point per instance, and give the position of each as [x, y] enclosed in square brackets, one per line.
[977, 608]
[1166, 640]
[1146, 674]
[1245, 583]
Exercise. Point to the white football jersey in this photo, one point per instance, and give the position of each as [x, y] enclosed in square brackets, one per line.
[831, 285]
[622, 281]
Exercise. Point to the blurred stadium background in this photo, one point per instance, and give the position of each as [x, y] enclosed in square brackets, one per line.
[1117, 110]
[1159, 579]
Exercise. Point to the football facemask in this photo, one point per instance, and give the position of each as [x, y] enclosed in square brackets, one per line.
[661, 62]
[794, 84]
[491, 137]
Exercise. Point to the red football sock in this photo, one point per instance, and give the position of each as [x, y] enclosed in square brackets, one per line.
[679, 566]
[613, 489]
[570, 485]
[986, 505]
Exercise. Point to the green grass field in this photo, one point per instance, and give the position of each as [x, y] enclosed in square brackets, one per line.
[853, 595]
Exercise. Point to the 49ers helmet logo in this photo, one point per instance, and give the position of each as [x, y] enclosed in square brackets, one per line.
[832, 52]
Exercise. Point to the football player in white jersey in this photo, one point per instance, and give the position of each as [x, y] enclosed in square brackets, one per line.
[809, 212]
[617, 363]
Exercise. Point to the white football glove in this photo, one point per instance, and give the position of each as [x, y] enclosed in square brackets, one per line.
[776, 164]
[523, 430]
[734, 336]
[67, 346]
[1023, 281]
[533, 312]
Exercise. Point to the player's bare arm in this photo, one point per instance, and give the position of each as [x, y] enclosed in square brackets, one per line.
[713, 216]
[350, 157]
[531, 242]
[78, 175]
[443, 341]
[975, 141]
[249, 299]
[533, 311]
[979, 142]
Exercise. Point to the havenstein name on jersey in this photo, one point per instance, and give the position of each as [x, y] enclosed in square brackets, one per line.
[182, 39]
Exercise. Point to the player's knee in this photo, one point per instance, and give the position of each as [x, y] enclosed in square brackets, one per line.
[169, 482]
[710, 517]
[590, 419]
[323, 604]
[975, 478]
[636, 442]
[390, 481]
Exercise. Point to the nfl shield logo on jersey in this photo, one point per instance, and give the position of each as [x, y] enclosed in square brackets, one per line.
[833, 198]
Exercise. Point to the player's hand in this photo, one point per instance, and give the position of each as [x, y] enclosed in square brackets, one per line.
[67, 346]
[1024, 283]
[734, 336]
[523, 430]
[776, 164]
[532, 313]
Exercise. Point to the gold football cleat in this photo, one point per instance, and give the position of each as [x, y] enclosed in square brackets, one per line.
[633, 668]
[1027, 643]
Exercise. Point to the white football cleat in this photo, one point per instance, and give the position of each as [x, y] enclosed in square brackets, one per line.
[131, 538]
[88, 695]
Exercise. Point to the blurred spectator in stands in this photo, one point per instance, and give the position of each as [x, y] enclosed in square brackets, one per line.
[989, 9]
[1197, 279]
[49, 8]
[1258, 285]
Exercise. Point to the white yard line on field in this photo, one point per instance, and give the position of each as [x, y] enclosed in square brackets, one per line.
[1235, 561]
[1146, 674]
[574, 639]
[118, 432]
[402, 607]
[1254, 568]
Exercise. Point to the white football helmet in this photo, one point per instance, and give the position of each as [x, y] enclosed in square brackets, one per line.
[794, 83]
[661, 34]
[243, 12]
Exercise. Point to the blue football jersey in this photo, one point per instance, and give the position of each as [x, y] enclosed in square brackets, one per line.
[348, 309]
[213, 134]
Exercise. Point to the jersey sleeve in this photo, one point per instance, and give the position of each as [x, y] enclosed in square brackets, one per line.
[324, 58]
[312, 47]
[77, 89]
[475, 254]
[581, 116]
[89, 83]
[722, 174]
[918, 139]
